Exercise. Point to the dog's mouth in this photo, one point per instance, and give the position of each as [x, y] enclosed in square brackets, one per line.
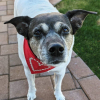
[56, 62]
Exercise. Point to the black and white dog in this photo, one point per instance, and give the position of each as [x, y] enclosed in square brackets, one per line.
[50, 36]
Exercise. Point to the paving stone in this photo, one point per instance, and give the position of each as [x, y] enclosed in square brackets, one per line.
[67, 83]
[2, 3]
[6, 18]
[3, 27]
[18, 89]
[10, 6]
[17, 73]
[76, 83]
[44, 89]
[12, 38]
[77, 94]
[5, 0]
[73, 54]
[91, 86]
[9, 49]
[3, 13]
[0, 49]
[10, 2]
[4, 87]
[0, 18]
[10, 12]
[14, 60]
[12, 31]
[3, 38]
[79, 69]
[3, 65]
[3, 7]
[54, 2]
[10, 26]
[20, 99]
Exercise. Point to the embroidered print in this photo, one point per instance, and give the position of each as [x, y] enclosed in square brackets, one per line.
[30, 59]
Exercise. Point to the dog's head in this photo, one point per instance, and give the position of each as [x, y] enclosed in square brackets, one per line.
[50, 35]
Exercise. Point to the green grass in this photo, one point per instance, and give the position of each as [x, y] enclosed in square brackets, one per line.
[87, 39]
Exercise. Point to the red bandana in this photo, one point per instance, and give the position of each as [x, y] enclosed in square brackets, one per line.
[34, 64]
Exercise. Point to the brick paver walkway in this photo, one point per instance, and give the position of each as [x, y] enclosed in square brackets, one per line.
[79, 83]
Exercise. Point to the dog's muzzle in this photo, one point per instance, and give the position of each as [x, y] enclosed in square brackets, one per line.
[56, 53]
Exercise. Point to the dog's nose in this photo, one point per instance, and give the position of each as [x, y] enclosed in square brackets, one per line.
[56, 49]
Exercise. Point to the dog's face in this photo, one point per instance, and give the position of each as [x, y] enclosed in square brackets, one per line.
[50, 36]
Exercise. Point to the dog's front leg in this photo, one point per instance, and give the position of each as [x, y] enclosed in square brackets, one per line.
[31, 82]
[58, 77]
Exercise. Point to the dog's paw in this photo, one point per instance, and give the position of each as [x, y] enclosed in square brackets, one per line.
[59, 96]
[31, 96]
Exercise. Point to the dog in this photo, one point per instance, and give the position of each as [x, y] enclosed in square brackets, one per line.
[50, 36]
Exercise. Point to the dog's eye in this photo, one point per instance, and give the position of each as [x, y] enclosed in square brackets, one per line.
[37, 33]
[65, 31]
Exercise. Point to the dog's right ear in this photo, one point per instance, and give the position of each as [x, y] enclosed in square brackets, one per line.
[22, 24]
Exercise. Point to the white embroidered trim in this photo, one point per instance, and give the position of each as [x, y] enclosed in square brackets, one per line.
[30, 60]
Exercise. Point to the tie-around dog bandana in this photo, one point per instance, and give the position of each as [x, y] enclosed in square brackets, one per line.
[34, 64]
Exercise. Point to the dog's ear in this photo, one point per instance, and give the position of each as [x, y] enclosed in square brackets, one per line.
[77, 17]
[22, 24]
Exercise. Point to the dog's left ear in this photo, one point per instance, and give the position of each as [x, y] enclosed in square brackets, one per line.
[77, 17]
[22, 24]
